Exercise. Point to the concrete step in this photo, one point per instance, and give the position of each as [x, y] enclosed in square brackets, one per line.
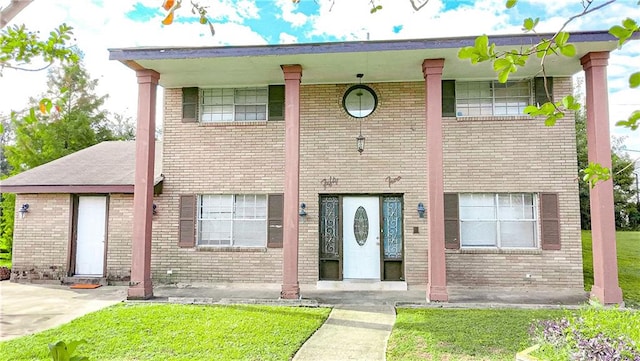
[84, 280]
[361, 285]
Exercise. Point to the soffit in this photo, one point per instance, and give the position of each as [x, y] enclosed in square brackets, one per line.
[329, 63]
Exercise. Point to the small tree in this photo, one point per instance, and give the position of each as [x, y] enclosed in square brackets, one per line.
[76, 120]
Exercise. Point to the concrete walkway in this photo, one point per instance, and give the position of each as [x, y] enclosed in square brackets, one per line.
[351, 333]
[25, 309]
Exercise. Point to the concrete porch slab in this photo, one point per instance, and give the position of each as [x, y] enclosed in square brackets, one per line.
[361, 285]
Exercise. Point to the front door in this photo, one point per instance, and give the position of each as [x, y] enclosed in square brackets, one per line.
[90, 239]
[361, 237]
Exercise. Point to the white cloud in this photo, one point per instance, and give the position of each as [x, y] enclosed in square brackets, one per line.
[287, 39]
[351, 20]
[289, 14]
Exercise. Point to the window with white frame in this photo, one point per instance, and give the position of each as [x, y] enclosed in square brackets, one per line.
[232, 220]
[228, 105]
[490, 98]
[502, 220]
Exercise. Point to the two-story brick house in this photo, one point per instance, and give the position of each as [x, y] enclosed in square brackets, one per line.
[385, 164]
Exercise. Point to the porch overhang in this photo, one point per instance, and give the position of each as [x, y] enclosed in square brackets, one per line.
[334, 63]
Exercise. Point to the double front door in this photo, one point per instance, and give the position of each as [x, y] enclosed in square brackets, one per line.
[361, 237]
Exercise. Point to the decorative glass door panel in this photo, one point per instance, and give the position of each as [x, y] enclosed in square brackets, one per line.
[330, 239]
[392, 238]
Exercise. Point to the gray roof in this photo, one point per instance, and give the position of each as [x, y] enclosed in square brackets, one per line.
[108, 167]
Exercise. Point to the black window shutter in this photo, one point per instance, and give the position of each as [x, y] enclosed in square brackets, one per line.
[274, 220]
[550, 218]
[451, 221]
[276, 102]
[187, 226]
[448, 98]
[540, 93]
[190, 105]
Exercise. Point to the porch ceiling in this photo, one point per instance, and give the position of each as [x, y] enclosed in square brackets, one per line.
[327, 63]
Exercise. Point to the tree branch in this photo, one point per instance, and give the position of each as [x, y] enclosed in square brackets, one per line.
[9, 66]
[8, 13]
[419, 6]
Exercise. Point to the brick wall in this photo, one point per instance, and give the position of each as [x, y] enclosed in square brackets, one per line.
[517, 155]
[480, 155]
[223, 159]
[120, 230]
[394, 147]
[41, 239]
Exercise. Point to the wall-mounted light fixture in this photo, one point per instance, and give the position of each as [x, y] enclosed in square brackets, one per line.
[303, 211]
[155, 210]
[360, 142]
[24, 209]
[360, 101]
[421, 210]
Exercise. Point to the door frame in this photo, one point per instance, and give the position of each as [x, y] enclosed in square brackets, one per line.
[73, 231]
[340, 241]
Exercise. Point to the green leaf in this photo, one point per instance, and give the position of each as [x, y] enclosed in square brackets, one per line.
[624, 32]
[632, 123]
[529, 24]
[530, 109]
[501, 64]
[620, 33]
[503, 76]
[562, 38]
[58, 351]
[550, 121]
[482, 42]
[544, 47]
[630, 24]
[71, 347]
[468, 52]
[567, 101]
[634, 80]
[595, 173]
[511, 3]
[568, 50]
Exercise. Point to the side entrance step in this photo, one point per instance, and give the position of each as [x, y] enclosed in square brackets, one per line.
[84, 280]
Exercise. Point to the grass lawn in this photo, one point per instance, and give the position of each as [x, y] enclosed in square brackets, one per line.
[454, 334]
[445, 334]
[628, 247]
[178, 332]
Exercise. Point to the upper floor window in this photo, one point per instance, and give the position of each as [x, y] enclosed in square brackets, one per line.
[492, 98]
[502, 220]
[228, 105]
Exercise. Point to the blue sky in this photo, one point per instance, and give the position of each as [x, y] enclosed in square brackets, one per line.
[103, 24]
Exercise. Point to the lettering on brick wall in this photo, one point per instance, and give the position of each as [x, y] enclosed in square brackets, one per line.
[392, 180]
[329, 182]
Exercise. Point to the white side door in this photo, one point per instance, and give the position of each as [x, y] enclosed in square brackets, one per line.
[361, 237]
[91, 226]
